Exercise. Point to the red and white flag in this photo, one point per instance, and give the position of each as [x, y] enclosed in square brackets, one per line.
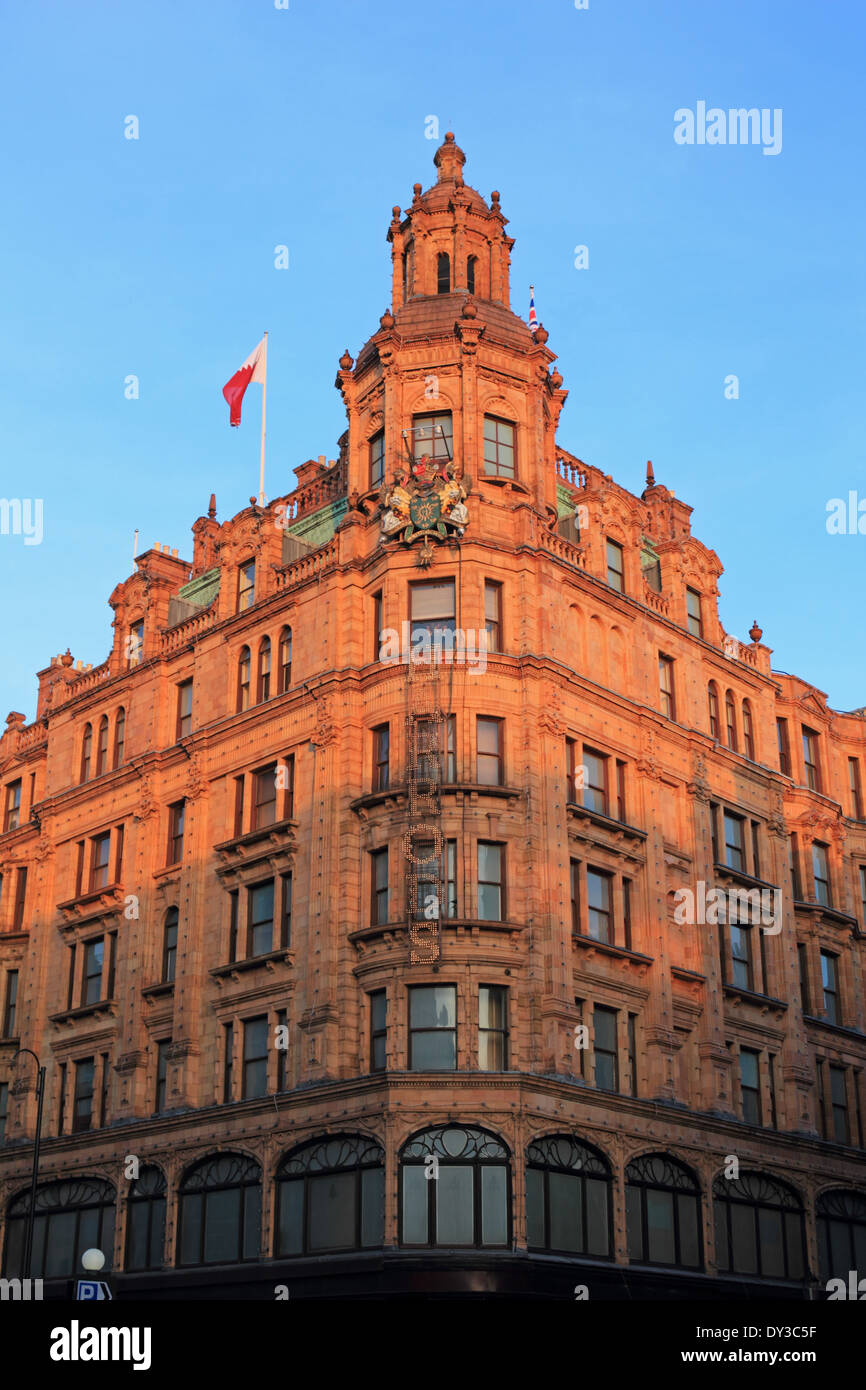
[254, 369]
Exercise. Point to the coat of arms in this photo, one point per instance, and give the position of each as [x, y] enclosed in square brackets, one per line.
[425, 499]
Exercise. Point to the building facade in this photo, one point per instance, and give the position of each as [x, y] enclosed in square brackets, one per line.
[427, 896]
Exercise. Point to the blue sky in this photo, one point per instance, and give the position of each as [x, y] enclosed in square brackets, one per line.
[302, 127]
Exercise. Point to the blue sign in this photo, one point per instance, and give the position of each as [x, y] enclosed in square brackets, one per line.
[92, 1289]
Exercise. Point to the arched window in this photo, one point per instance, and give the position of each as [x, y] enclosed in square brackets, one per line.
[663, 1206]
[713, 698]
[119, 735]
[102, 746]
[471, 263]
[443, 273]
[285, 659]
[759, 1227]
[86, 751]
[264, 675]
[145, 1220]
[331, 1196]
[841, 1234]
[469, 1203]
[71, 1217]
[220, 1211]
[748, 731]
[244, 665]
[568, 1204]
[731, 720]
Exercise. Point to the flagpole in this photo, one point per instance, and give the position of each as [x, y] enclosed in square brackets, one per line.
[262, 459]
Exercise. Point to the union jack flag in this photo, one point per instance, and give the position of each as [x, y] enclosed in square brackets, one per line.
[533, 317]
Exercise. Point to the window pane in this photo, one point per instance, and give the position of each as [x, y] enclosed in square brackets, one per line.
[454, 1205]
[332, 1211]
[433, 1006]
[136, 1255]
[372, 1207]
[660, 1226]
[489, 862]
[291, 1217]
[597, 1220]
[633, 1222]
[534, 1207]
[566, 1217]
[604, 1021]
[415, 1188]
[435, 600]
[222, 1225]
[61, 1252]
[252, 1221]
[191, 1209]
[494, 1205]
[489, 902]
[434, 1051]
[157, 1233]
[770, 1235]
[794, 1235]
[745, 1253]
[690, 1247]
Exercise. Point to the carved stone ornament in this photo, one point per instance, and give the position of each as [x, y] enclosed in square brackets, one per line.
[426, 500]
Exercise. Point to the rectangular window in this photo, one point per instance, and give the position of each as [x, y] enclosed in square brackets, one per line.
[451, 748]
[79, 868]
[377, 459]
[493, 614]
[282, 1046]
[598, 896]
[693, 610]
[450, 878]
[169, 947]
[595, 781]
[378, 1029]
[605, 1049]
[94, 958]
[10, 1012]
[161, 1073]
[378, 630]
[246, 585]
[784, 747]
[260, 909]
[839, 1104]
[794, 863]
[176, 817]
[756, 849]
[666, 686]
[100, 854]
[741, 956]
[379, 907]
[750, 1086]
[61, 1102]
[119, 836]
[233, 925]
[854, 784]
[498, 448]
[626, 913]
[238, 810]
[615, 568]
[491, 882]
[264, 797]
[228, 1061]
[184, 709]
[381, 757]
[432, 621]
[830, 986]
[810, 759]
[571, 772]
[433, 435]
[492, 1028]
[632, 1054]
[255, 1075]
[4, 1109]
[82, 1102]
[489, 752]
[286, 915]
[20, 899]
[821, 873]
[803, 966]
[432, 1028]
[12, 816]
[620, 792]
[735, 856]
[574, 877]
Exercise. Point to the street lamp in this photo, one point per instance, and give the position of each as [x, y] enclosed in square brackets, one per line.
[93, 1260]
[40, 1093]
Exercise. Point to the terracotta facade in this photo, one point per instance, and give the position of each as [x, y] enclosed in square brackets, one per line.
[612, 753]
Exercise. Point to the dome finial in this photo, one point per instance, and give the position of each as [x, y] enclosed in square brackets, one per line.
[449, 160]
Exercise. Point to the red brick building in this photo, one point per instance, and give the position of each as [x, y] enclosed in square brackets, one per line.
[356, 974]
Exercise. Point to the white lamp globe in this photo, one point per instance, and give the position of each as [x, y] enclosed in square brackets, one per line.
[93, 1260]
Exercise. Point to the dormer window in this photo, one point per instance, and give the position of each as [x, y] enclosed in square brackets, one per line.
[433, 435]
[470, 273]
[135, 642]
[443, 273]
[246, 585]
[377, 459]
